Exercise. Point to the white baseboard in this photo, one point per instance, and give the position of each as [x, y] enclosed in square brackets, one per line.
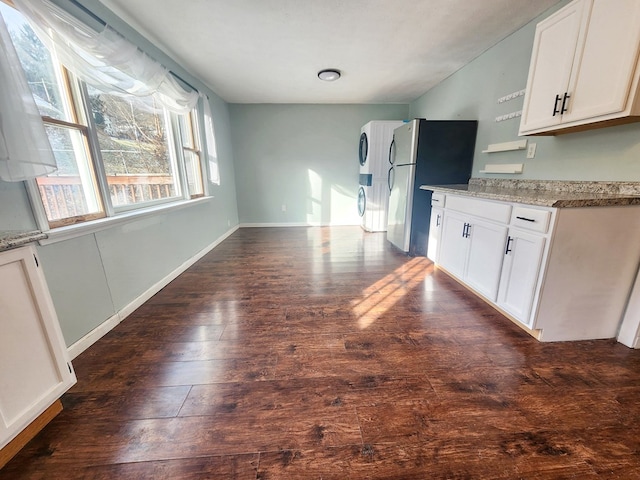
[297, 224]
[105, 327]
[260, 225]
[93, 336]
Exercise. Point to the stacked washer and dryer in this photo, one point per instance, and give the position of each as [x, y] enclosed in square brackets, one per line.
[373, 194]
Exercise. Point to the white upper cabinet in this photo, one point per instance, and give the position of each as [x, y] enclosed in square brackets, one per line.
[583, 72]
[554, 48]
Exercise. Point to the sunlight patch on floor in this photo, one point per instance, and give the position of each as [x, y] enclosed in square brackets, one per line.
[382, 295]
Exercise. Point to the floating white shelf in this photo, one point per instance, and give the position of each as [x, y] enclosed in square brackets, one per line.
[503, 168]
[506, 146]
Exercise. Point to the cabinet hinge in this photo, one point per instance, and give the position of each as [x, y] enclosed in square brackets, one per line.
[36, 260]
[69, 366]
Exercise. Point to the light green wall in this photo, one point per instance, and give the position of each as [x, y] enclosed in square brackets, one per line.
[15, 209]
[611, 153]
[94, 276]
[78, 284]
[301, 156]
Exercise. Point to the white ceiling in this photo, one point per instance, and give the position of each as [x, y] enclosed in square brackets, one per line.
[269, 51]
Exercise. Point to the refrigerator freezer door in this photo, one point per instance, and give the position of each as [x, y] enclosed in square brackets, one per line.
[405, 143]
[401, 183]
[400, 204]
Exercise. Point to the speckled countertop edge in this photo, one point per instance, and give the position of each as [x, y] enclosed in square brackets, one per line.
[548, 193]
[15, 239]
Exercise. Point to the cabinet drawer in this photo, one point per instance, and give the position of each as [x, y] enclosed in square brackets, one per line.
[498, 212]
[437, 199]
[531, 219]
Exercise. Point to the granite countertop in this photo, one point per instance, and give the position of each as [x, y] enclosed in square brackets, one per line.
[15, 238]
[547, 193]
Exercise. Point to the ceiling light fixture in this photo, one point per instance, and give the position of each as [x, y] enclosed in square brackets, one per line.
[329, 75]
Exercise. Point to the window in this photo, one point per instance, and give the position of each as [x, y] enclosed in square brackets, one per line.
[192, 154]
[115, 152]
[133, 136]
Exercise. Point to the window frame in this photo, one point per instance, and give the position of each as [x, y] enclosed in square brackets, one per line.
[196, 141]
[173, 156]
[73, 90]
[77, 100]
[80, 104]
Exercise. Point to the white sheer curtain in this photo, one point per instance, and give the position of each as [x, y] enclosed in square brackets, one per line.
[25, 151]
[105, 59]
[210, 140]
[108, 61]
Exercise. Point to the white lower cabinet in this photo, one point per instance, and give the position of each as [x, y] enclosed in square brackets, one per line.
[563, 273]
[453, 244]
[520, 274]
[34, 366]
[484, 262]
[435, 233]
[472, 249]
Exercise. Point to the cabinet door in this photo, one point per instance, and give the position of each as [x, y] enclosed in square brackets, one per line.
[554, 47]
[520, 274]
[34, 366]
[604, 68]
[484, 262]
[453, 244]
[435, 230]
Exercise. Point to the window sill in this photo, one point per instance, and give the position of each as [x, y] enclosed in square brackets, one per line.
[86, 228]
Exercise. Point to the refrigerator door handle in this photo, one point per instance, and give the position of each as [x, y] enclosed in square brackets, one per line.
[392, 151]
[391, 177]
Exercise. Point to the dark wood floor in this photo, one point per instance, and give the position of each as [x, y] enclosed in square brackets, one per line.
[320, 353]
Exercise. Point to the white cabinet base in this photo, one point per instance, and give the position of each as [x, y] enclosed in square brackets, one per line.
[589, 274]
[25, 436]
[569, 272]
[34, 366]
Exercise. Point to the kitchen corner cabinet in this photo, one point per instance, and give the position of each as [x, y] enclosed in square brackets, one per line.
[34, 366]
[560, 273]
[584, 68]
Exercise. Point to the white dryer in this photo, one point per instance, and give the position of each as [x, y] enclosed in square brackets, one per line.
[373, 153]
[375, 140]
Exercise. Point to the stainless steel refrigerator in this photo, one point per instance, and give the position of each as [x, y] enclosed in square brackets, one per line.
[424, 152]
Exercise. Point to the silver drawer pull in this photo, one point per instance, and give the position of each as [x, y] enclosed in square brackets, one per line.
[526, 219]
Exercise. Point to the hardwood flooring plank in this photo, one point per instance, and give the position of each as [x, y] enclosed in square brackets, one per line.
[428, 459]
[323, 353]
[238, 467]
[130, 403]
[228, 467]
